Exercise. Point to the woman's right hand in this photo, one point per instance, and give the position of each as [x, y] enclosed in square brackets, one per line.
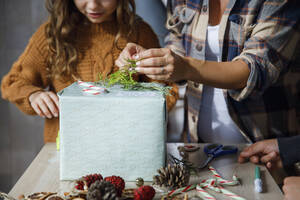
[129, 52]
[156, 63]
[45, 104]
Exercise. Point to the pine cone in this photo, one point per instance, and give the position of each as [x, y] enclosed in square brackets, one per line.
[102, 190]
[87, 181]
[118, 182]
[173, 176]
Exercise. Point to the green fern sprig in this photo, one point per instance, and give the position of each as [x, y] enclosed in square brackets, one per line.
[124, 77]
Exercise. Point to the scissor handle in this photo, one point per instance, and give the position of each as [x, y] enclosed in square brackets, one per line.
[212, 148]
[224, 150]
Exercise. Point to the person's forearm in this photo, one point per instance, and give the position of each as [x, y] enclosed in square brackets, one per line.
[227, 75]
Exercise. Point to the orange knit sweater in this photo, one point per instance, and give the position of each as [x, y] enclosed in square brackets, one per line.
[29, 73]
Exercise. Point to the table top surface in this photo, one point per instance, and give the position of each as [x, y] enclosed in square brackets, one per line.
[43, 175]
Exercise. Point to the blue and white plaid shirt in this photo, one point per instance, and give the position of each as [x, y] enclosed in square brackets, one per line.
[265, 35]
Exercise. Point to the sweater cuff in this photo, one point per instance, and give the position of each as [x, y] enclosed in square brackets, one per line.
[24, 104]
[289, 150]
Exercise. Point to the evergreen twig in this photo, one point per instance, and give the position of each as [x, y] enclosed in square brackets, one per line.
[124, 78]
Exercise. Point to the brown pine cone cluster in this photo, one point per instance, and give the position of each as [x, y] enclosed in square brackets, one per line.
[102, 190]
[173, 176]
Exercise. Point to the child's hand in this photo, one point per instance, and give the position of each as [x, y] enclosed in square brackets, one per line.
[128, 52]
[45, 104]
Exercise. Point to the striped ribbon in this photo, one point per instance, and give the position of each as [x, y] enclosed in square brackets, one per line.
[91, 89]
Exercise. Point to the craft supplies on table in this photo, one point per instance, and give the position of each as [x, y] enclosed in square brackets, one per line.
[215, 150]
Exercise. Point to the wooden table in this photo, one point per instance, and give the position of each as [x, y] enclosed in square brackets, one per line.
[43, 175]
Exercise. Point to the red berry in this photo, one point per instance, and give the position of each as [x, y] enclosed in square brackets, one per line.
[145, 192]
[137, 195]
[89, 179]
[80, 185]
[118, 182]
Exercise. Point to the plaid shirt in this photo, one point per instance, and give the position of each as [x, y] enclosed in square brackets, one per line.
[265, 35]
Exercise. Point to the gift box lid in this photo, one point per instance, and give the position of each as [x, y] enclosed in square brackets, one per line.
[92, 90]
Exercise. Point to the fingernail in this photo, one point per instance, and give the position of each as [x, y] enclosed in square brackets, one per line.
[136, 56]
[138, 63]
[55, 114]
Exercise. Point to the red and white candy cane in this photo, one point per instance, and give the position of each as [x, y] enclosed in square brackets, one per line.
[209, 184]
[183, 189]
[230, 194]
[212, 185]
[203, 193]
[221, 180]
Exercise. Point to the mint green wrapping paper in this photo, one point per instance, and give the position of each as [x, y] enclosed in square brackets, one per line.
[120, 133]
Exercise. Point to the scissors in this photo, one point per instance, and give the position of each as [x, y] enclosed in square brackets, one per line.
[215, 150]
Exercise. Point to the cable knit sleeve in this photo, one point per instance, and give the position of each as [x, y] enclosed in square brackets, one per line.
[148, 39]
[28, 73]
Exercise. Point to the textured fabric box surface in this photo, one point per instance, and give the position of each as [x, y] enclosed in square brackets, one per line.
[119, 133]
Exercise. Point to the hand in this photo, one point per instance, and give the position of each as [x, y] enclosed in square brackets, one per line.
[129, 52]
[45, 104]
[291, 188]
[157, 64]
[265, 151]
[162, 64]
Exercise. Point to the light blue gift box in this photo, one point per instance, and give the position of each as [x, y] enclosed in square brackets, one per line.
[117, 133]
